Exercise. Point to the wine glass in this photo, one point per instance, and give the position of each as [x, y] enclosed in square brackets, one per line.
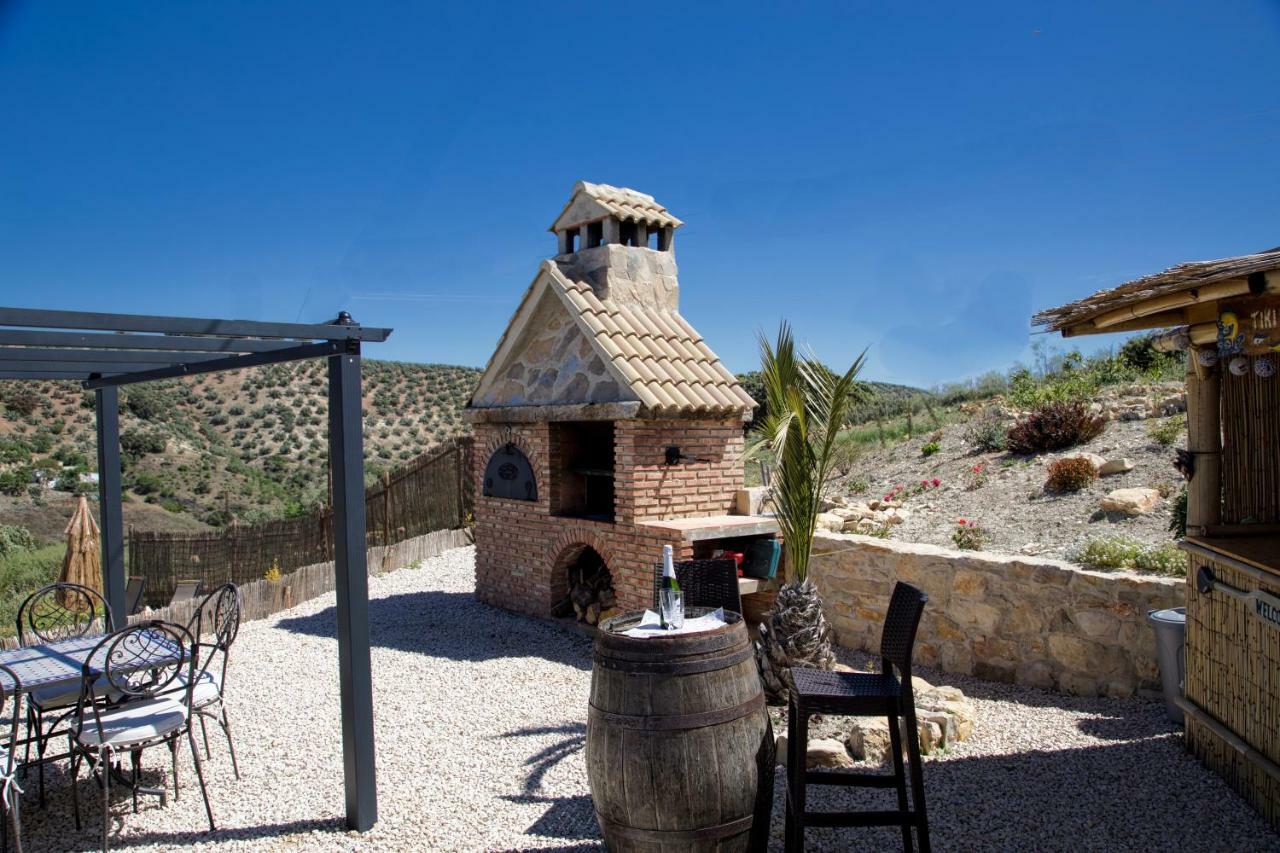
[672, 604]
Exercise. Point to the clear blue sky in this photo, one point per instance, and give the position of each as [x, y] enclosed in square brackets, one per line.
[917, 180]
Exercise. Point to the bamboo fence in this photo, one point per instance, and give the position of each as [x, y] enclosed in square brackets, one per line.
[1250, 448]
[432, 492]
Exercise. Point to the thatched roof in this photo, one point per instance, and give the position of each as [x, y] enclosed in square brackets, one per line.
[1155, 300]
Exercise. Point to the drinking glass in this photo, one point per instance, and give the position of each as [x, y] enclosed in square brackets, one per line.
[672, 603]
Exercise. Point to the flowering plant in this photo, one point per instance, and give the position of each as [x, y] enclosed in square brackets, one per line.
[969, 535]
[901, 492]
[975, 477]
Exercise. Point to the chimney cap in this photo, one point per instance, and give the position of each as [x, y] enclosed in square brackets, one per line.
[592, 202]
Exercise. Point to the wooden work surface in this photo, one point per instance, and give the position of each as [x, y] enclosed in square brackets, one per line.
[1261, 552]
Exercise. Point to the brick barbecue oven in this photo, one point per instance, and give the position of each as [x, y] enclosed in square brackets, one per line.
[605, 426]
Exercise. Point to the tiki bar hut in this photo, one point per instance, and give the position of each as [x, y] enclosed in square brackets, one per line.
[1225, 315]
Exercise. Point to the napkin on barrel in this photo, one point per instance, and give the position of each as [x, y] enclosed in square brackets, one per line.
[651, 625]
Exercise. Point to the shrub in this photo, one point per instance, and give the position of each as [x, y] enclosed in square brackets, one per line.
[1163, 559]
[930, 448]
[969, 535]
[1070, 475]
[14, 538]
[1125, 552]
[1166, 431]
[988, 432]
[14, 482]
[137, 443]
[1054, 426]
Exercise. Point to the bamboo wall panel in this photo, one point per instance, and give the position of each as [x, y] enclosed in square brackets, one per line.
[427, 494]
[1233, 673]
[1250, 448]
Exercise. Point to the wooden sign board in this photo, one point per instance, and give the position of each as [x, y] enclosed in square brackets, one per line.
[1266, 607]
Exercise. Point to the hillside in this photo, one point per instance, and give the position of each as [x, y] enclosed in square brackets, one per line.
[250, 444]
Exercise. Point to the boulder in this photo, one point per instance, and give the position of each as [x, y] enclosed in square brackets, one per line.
[1137, 501]
[1116, 466]
[827, 754]
[1098, 461]
[830, 521]
[868, 738]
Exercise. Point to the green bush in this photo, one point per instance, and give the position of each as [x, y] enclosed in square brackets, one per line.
[988, 432]
[14, 481]
[1070, 475]
[1125, 552]
[23, 572]
[1054, 426]
[14, 538]
[1166, 431]
[138, 443]
[930, 448]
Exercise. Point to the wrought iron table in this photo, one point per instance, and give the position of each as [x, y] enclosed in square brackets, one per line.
[61, 665]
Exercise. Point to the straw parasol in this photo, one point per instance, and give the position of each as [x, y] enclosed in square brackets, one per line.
[83, 562]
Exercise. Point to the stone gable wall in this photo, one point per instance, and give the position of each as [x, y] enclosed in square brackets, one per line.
[1006, 618]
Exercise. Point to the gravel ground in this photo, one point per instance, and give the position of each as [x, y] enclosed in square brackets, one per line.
[480, 729]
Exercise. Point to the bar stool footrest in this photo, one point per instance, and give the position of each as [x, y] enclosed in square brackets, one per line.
[849, 777]
[861, 819]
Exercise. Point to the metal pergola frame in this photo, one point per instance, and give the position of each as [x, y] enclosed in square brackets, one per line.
[105, 351]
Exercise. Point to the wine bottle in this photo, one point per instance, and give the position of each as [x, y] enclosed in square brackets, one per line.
[669, 580]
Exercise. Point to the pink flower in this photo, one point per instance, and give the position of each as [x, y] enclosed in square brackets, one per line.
[936, 482]
[961, 522]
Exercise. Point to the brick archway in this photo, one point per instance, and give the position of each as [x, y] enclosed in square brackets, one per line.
[567, 548]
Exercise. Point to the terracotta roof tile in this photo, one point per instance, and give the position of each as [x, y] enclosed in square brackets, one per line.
[662, 359]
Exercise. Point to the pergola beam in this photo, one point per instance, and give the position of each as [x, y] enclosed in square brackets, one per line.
[68, 375]
[236, 362]
[55, 357]
[109, 341]
[45, 319]
[110, 504]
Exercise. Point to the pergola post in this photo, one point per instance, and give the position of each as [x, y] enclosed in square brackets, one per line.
[110, 503]
[346, 464]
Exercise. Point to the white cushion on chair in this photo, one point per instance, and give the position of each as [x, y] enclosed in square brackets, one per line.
[134, 722]
[208, 689]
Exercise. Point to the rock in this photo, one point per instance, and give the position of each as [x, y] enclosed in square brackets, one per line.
[842, 667]
[1137, 501]
[780, 750]
[868, 738]
[896, 516]
[1031, 549]
[1116, 466]
[830, 521]
[1098, 461]
[827, 754]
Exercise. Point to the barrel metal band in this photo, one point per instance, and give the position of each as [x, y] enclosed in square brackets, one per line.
[675, 836]
[672, 722]
[677, 667]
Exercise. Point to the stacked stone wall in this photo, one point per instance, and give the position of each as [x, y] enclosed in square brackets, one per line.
[1018, 619]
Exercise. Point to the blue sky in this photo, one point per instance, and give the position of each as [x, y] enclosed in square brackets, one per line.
[915, 179]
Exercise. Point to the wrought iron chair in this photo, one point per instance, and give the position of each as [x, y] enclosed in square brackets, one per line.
[705, 583]
[133, 591]
[141, 665]
[60, 611]
[886, 693]
[219, 616]
[185, 590]
[10, 793]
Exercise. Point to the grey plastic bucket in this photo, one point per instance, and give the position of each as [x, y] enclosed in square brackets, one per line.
[1170, 627]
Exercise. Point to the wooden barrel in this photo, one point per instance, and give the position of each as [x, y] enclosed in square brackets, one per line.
[679, 746]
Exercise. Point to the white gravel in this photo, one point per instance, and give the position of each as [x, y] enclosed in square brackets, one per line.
[480, 721]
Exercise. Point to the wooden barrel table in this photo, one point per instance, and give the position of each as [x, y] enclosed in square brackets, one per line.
[679, 745]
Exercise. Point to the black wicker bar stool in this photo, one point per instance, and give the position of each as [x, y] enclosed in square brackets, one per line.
[864, 694]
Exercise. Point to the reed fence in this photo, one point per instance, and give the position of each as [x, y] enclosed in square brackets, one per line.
[432, 492]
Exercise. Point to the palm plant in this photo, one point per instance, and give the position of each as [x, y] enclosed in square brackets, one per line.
[807, 405]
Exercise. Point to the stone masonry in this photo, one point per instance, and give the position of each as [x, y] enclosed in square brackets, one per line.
[1004, 618]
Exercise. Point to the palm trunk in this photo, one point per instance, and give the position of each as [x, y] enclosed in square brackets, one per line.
[796, 634]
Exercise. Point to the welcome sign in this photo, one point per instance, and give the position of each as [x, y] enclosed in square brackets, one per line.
[1266, 607]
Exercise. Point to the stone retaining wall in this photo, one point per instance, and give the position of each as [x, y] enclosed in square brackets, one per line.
[1006, 618]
